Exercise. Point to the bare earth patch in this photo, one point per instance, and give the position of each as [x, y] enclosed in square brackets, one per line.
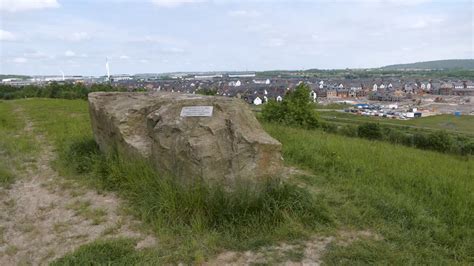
[44, 216]
[309, 252]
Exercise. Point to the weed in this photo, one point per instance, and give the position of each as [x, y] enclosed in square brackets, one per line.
[84, 209]
[110, 252]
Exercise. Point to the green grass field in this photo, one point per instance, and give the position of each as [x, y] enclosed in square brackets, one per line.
[16, 146]
[463, 124]
[419, 202]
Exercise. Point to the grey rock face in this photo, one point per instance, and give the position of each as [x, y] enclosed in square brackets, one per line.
[227, 146]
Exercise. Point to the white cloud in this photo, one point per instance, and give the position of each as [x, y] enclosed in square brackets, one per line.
[274, 42]
[77, 37]
[423, 23]
[69, 53]
[35, 54]
[23, 5]
[174, 3]
[124, 57]
[244, 13]
[143, 61]
[7, 36]
[172, 50]
[19, 60]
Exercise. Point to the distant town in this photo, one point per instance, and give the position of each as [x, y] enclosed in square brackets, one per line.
[392, 97]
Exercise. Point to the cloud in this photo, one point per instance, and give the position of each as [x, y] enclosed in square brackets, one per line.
[69, 53]
[19, 60]
[35, 54]
[172, 50]
[422, 23]
[124, 57]
[274, 42]
[244, 13]
[174, 3]
[77, 37]
[24, 5]
[7, 36]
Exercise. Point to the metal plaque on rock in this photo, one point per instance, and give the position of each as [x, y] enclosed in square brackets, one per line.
[190, 111]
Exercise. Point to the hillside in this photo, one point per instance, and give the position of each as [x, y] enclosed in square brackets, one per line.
[356, 202]
[438, 65]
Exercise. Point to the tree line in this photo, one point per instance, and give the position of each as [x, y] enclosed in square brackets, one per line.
[53, 90]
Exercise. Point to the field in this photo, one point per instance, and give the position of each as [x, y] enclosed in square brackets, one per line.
[463, 124]
[355, 202]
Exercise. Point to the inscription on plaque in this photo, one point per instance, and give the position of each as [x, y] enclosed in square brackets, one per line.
[188, 111]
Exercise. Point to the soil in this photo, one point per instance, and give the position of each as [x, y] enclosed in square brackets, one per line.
[309, 252]
[43, 216]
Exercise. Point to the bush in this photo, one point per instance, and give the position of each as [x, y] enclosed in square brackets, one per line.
[329, 127]
[348, 130]
[369, 131]
[438, 141]
[296, 109]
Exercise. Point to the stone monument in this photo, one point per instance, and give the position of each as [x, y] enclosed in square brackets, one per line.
[190, 137]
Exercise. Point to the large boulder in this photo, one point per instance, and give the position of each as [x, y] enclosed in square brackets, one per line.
[191, 137]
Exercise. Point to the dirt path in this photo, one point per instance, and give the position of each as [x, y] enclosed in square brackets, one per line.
[308, 252]
[44, 216]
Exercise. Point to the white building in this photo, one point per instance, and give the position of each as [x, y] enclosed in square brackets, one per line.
[257, 101]
[313, 95]
[266, 82]
[235, 83]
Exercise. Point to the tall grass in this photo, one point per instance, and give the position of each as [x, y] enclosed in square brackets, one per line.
[422, 202]
[247, 216]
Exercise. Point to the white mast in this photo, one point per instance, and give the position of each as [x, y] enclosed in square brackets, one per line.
[107, 69]
[62, 73]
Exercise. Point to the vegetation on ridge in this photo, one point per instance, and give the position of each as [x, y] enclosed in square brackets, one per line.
[419, 202]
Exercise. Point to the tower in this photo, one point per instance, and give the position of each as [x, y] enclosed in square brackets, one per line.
[107, 69]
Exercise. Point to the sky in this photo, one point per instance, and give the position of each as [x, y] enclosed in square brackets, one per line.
[47, 37]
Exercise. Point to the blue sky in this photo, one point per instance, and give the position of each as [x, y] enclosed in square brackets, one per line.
[143, 36]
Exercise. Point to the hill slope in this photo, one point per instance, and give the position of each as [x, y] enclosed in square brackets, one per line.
[438, 64]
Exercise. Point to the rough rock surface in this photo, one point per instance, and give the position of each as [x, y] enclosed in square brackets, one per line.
[230, 145]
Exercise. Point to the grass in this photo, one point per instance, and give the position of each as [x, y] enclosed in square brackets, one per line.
[192, 223]
[463, 124]
[84, 209]
[16, 146]
[115, 252]
[419, 202]
[333, 106]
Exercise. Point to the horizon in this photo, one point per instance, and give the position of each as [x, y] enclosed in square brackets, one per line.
[45, 37]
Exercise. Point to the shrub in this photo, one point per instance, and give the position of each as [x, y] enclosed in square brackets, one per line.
[369, 131]
[440, 141]
[466, 147]
[348, 130]
[296, 109]
[328, 127]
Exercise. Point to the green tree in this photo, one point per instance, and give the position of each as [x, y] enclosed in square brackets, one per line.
[296, 109]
